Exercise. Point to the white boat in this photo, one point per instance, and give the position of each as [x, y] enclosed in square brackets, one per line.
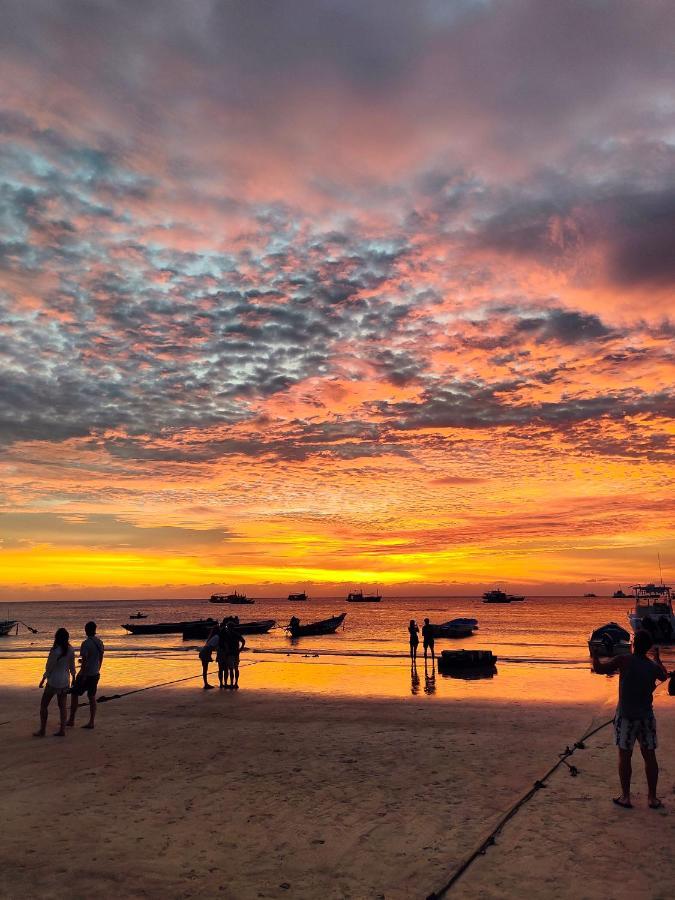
[455, 628]
[653, 612]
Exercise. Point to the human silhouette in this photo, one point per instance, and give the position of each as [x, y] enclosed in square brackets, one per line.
[414, 635]
[58, 672]
[428, 639]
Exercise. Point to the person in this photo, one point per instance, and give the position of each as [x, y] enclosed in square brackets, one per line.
[428, 638]
[233, 643]
[86, 681]
[413, 632]
[58, 672]
[634, 719]
[205, 653]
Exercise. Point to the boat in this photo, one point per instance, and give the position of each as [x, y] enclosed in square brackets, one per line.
[466, 660]
[195, 632]
[610, 640]
[167, 627]
[499, 596]
[236, 598]
[138, 615]
[590, 595]
[360, 597]
[325, 626]
[653, 612]
[298, 597]
[7, 625]
[455, 628]
[620, 594]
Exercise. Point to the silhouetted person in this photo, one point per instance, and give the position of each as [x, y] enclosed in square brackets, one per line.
[233, 643]
[428, 639]
[634, 719]
[414, 634]
[205, 654]
[86, 681]
[58, 671]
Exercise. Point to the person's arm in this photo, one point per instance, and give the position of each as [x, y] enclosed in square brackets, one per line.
[242, 642]
[607, 668]
[71, 663]
[100, 661]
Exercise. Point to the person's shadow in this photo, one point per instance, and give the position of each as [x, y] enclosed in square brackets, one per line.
[429, 680]
[414, 679]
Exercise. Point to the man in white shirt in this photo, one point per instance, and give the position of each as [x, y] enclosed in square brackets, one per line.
[91, 653]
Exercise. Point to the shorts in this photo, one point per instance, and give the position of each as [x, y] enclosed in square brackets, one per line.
[627, 731]
[231, 661]
[429, 644]
[205, 656]
[87, 685]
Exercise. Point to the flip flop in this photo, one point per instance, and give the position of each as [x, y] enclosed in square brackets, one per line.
[622, 803]
[657, 805]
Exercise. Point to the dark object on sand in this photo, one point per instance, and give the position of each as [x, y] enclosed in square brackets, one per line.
[168, 627]
[201, 631]
[609, 640]
[138, 615]
[325, 626]
[459, 660]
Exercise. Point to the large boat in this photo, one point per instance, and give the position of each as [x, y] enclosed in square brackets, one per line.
[499, 596]
[653, 612]
[236, 598]
[196, 632]
[325, 626]
[609, 640]
[167, 627]
[360, 597]
[6, 626]
[297, 598]
[618, 595]
[455, 628]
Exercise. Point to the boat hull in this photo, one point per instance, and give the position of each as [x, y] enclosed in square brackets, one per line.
[325, 626]
[6, 627]
[167, 627]
[201, 632]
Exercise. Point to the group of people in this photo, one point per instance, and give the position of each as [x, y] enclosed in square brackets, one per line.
[227, 642]
[427, 639]
[61, 678]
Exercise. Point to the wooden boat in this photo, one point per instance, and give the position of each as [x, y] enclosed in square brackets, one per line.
[6, 626]
[325, 626]
[466, 659]
[139, 615]
[610, 640]
[202, 631]
[360, 597]
[167, 627]
[455, 628]
[297, 598]
[236, 598]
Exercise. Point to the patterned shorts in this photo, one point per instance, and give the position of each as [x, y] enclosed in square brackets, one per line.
[627, 731]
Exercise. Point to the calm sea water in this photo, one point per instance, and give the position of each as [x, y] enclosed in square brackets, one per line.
[535, 641]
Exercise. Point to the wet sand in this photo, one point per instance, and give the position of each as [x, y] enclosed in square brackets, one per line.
[264, 794]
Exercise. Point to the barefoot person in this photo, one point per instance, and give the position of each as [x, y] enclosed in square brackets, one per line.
[86, 682]
[58, 672]
[634, 718]
[234, 643]
[206, 653]
[414, 635]
[428, 639]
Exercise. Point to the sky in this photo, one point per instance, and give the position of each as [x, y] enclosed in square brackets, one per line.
[330, 293]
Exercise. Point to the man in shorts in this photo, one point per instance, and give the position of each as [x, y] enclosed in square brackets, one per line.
[428, 639]
[86, 681]
[634, 719]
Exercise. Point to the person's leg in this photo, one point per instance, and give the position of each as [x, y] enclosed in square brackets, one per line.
[205, 671]
[236, 674]
[74, 701]
[62, 700]
[47, 695]
[625, 773]
[92, 709]
[652, 773]
[221, 672]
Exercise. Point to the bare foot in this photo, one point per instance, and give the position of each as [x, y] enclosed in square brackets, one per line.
[38, 733]
[70, 724]
[59, 733]
[89, 726]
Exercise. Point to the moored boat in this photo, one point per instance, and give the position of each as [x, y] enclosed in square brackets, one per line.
[7, 625]
[653, 612]
[138, 615]
[236, 598]
[455, 628]
[167, 627]
[609, 640]
[201, 631]
[324, 626]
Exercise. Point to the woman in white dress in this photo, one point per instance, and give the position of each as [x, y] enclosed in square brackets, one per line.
[59, 670]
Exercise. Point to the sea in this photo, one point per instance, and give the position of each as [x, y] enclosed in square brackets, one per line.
[540, 644]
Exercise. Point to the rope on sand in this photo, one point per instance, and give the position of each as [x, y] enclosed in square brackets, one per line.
[538, 784]
[151, 687]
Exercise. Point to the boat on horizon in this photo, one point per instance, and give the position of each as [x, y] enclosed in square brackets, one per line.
[590, 595]
[236, 598]
[138, 615]
[499, 596]
[653, 612]
[324, 626]
[360, 597]
[301, 597]
[167, 627]
[620, 595]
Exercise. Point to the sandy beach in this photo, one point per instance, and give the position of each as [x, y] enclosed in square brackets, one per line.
[266, 794]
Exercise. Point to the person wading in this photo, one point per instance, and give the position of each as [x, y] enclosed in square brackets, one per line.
[634, 719]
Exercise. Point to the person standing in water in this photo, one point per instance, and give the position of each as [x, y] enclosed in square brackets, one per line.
[414, 633]
[58, 672]
[86, 681]
[634, 719]
[428, 639]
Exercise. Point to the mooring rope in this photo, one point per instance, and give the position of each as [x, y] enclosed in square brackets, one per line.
[150, 687]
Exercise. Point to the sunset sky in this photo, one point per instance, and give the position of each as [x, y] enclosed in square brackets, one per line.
[333, 293]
